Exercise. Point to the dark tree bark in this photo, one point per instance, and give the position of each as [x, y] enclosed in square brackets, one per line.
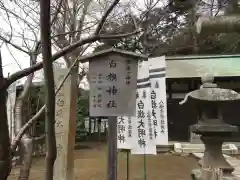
[5, 155]
[45, 30]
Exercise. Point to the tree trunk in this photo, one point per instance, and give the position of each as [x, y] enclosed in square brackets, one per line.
[27, 150]
[193, 29]
[25, 145]
[19, 123]
[45, 30]
[5, 158]
[5, 153]
[19, 119]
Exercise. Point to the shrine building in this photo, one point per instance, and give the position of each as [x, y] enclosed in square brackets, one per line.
[183, 75]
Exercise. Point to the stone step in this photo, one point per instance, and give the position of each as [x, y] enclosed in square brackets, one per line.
[230, 149]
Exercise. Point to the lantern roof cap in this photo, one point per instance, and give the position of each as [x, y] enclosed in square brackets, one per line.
[214, 94]
[210, 91]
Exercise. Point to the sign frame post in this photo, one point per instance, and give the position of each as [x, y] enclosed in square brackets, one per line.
[112, 148]
[98, 84]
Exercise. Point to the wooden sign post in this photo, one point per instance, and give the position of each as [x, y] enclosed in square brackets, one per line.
[113, 83]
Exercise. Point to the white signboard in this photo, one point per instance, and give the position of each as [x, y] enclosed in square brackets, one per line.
[124, 132]
[12, 90]
[61, 166]
[86, 123]
[95, 125]
[143, 141]
[92, 121]
[113, 82]
[157, 70]
[103, 122]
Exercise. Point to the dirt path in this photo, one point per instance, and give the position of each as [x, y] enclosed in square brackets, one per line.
[90, 164]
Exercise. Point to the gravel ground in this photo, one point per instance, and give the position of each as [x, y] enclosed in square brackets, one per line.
[91, 163]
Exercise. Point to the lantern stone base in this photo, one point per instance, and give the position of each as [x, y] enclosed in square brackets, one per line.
[213, 165]
[197, 174]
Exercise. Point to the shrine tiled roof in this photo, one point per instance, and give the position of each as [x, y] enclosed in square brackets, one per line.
[197, 66]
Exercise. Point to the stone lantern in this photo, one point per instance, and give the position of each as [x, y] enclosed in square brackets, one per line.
[212, 128]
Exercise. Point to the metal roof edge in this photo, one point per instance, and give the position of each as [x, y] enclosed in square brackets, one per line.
[114, 50]
[202, 57]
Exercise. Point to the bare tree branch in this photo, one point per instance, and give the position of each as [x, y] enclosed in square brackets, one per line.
[13, 57]
[86, 4]
[24, 129]
[104, 17]
[8, 17]
[29, 17]
[77, 31]
[148, 10]
[12, 44]
[25, 72]
[21, 14]
[38, 138]
[57, 12]
[42, 109]
[95, 37]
